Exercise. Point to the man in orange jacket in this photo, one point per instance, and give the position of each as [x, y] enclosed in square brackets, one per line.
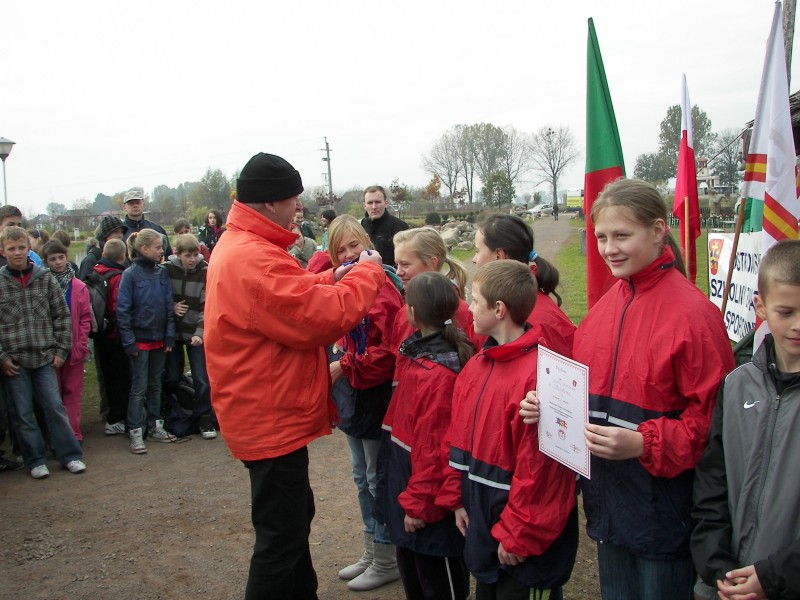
[267, 323]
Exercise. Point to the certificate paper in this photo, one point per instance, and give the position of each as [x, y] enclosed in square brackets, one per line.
[562, 386]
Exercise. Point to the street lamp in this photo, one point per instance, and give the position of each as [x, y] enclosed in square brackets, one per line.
[5, 150]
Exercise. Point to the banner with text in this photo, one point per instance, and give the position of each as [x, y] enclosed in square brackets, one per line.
[740, 313]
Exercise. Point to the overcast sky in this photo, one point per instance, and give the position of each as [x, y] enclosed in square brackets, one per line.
[101, 96]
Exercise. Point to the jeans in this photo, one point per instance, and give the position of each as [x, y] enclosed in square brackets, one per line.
[364, 458]
[197, 363]
[624, 575]
[147, 371]
[282, 511]
[40, 386]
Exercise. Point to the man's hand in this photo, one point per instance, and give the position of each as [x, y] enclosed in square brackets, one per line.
[410, 524]
[741, 584]
[181, 308]
[58, 362]
[614, 443]
[529, 408]
[336, 371]
[370, 256]
[462, 520]
[196, 340]
[9, 368]
[508, 558]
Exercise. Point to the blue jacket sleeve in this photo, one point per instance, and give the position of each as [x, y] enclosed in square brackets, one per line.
[125, 313]
[169, 340]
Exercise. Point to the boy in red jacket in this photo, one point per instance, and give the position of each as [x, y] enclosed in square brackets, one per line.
[514, 505]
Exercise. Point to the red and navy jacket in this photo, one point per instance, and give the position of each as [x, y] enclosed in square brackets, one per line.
[417, 422]
[513, 494]
[555, 325]
[657, 351]
[367, 362]
[403, 330]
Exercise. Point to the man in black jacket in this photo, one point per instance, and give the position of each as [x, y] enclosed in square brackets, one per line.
[133, 205]
[379, 224]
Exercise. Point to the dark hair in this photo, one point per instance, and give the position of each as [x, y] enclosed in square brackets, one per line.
[181, 224]
[217, 214]
[62, 236]
[645, 204]
[509, 282]
[374, 188]
[435, 302]
[780, 264]
[328, 214]
[514, 236]
[9, 211]
[39, 234]
[53, 247]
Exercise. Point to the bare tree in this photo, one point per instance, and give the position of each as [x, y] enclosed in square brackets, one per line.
[487, 143]
[443, 160]
[516, 157]
[467, 159]
[552, 150]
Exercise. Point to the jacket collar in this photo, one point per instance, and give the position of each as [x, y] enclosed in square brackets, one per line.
[244, 218]
[528, 340]
[434, 347]
[654, 272]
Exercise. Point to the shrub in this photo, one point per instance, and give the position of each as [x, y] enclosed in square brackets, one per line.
[433, 218]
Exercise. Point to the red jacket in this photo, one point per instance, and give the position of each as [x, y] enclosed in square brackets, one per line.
[555, 325]
[80, 311]
[113, 293]
[657, 351]
[267, 321]
[513, 494]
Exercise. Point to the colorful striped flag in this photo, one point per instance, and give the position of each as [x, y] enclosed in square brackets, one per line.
[685, 202]
[604, 162]
[770, 186]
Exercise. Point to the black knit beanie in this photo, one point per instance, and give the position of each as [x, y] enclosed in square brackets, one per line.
[267, 178]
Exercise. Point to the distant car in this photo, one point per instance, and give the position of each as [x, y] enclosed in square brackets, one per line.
[541, 210]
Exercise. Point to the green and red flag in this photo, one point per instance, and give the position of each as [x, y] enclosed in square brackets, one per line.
[604, 162]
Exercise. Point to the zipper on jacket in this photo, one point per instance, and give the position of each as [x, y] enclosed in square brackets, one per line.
[765, 468]
[619, 337]
[477, 405]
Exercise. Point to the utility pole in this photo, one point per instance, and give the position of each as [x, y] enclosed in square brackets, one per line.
[327, 159]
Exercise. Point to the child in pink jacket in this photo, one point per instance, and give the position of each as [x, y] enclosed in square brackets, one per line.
[70, 375]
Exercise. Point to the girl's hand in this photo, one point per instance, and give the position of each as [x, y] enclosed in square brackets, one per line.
[181, 308]
[462, 520]
[508, 558]
[196, 340]
[167, 348]
[336, 371]
[529, 408]
[614, 443]
[342, 271]
[58, 362]
[410, 524]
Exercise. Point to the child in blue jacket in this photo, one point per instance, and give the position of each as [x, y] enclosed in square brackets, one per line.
[146, 324]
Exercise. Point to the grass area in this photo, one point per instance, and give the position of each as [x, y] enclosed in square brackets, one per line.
[463, 255]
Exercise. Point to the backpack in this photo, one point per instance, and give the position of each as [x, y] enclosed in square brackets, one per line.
[103, 320]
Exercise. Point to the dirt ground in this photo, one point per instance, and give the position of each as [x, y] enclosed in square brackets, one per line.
[174, 523]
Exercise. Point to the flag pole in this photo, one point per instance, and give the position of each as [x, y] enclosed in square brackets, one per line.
[686, 232]
[732, 262]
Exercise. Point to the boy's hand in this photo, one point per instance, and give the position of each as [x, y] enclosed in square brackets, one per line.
[508, 558]
[336, 371]
[410, 524]
[58, 362]
[529, 408]
[181, 308]
[741, 584]
[462, 520]
[9, 368]
[613, 443]
[196, 340]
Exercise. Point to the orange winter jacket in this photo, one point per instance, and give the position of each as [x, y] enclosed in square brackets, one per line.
[267, 321]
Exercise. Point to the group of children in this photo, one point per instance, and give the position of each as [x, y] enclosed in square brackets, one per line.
[149, 313]
[458, 485]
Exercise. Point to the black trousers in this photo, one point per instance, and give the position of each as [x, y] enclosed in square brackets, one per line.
[427, 577]
[115, 367]
[508, 588]
[283, 507]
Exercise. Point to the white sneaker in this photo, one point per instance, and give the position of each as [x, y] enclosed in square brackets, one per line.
[115, 428]
[40, 472]
[157, 433]
[137, 443]
[75, 466]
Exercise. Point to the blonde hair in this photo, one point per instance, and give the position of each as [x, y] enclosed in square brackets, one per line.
[341, 227]
[186, 243]
[140, 239]
[12, 234]
[427, 244]
[645, 205]
[114, 250]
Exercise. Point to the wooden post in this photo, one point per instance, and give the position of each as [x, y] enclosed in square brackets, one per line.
[732, 262]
